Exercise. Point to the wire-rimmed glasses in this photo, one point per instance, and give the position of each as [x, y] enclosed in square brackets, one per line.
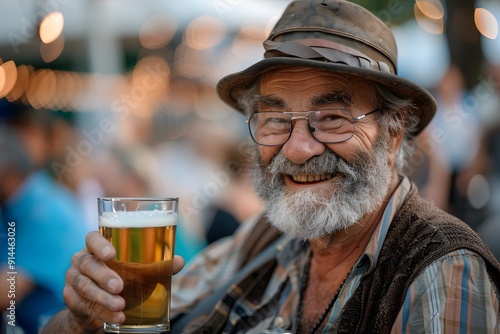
[328, 126]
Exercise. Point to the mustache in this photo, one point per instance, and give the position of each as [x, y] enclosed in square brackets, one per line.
[329, 162]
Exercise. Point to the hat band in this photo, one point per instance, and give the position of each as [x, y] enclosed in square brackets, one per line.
[325, 50]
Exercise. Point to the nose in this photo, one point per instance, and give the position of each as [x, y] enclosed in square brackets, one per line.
[301, 146]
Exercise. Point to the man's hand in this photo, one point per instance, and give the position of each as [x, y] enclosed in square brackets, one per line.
[92, 291]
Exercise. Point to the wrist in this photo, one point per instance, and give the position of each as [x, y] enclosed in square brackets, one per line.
[76, 328]
[65, 323]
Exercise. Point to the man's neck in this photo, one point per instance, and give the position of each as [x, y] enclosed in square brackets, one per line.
[343, 248]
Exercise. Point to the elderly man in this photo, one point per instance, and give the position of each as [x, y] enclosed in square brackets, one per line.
[360, 252]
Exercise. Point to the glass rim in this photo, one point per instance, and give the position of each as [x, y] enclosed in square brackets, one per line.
[137, 199]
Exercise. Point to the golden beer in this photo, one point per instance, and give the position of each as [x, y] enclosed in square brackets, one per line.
[144, 243]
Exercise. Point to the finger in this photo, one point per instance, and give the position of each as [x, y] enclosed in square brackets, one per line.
[99, 246]
[85, 288]
[178, 264]
[87, 264]
[88, 314]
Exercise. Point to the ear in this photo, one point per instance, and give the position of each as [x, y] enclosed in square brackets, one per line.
[394, 145]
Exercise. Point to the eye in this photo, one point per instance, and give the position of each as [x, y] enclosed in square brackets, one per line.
[328, 116]
[271, 119]
[329, 120]
[275, 120]
[268, 123]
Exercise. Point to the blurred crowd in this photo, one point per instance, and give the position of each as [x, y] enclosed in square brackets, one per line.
[457, 159]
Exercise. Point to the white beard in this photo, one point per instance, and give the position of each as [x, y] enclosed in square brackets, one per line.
[307, 214]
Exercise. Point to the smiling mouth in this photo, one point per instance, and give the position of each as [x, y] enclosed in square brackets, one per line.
[305, 178]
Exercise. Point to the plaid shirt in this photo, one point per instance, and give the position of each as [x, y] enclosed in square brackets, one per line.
[453, 295]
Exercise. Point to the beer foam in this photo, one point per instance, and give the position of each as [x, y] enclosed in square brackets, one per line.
[152, 218]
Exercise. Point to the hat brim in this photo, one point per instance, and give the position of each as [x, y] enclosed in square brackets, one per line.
[232, 86]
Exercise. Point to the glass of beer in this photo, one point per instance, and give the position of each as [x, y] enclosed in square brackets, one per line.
[142, 230]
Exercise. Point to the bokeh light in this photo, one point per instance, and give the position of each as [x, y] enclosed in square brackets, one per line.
[51, 51]
[21, 84]
[205, 32]
[433, 9]
[51, 27]
[8, 77]
[486, 23]
[428, 19]
[157, 31]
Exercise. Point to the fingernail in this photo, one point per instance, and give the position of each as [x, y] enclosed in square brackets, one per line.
[115, 304]
[113, 284]
[106, 250]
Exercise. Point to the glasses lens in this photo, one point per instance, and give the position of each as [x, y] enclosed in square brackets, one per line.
[332, 126]
[270, 128]
[328, 126]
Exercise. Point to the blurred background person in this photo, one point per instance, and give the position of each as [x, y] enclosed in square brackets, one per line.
[48, 221]
[460, 131]
[238, 201]
[488, 166]
[226, 198]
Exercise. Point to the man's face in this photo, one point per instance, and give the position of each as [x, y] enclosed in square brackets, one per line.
[312, 189]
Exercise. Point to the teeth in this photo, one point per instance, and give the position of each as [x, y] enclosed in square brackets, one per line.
[311, 177]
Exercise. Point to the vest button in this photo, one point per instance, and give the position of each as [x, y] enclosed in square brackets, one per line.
[279, 321]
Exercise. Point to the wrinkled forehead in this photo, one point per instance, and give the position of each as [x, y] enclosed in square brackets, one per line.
[305, 83]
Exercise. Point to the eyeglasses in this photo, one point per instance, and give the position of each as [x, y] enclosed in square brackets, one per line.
[326, 126]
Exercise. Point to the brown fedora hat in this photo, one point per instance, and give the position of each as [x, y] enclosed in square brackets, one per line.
[334, 35]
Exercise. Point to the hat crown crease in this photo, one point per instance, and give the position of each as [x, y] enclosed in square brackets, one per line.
[334, 32]
[333, 52]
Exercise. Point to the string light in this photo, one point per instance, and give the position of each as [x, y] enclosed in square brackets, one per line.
[486, 23]
[51, 27]
[8, 77]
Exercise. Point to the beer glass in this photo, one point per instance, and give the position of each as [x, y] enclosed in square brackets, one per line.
[142, 230]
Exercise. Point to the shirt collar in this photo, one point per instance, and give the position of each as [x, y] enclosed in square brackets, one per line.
[372, 250]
